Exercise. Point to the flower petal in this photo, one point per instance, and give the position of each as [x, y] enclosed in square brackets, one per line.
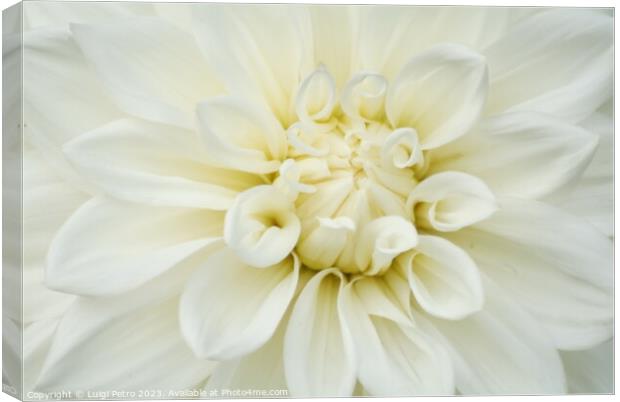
[475, 26]
[357, 207]
[385, 201]
[593, 195]
[386, 296]
[258, 51]
[401, 149]
[315, 100]
[152, 69]
[123, 354]
[382, 240]
[388, 35]
[520, 154]
[154, 164]
[318, 359]
[55, 65]
[363, 97]
[556, 266]
[107, 247]
[320, 246]
[394, 359]
[241, 135]
[392, 35]
[230, 309]
[37, 339]
[590, 371]
[440, 92]
[61, 14]
[443, 278]
[289, 180]
[180, 15]
[561, 240]
[262, 369]
[89, 316]
[558, 62]
[502, 350]
[47, 202]
[261, 226]
[449, 201]
[326, 200]
[12, 355]
[105, 320]
[334, 34]
[576, 313]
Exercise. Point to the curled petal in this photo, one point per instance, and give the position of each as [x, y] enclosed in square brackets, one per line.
[363, 97]
[402, 148]
[296, 139]
[440, 92]
[241, 135]
[381, 241]
[261, 226]
[313, 169]
[443, 278]
[321, 248]
[316, 99]
[289, 180]
[229, 309]
[449, 201]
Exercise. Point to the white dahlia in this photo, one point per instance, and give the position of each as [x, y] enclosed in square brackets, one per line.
[331, 200]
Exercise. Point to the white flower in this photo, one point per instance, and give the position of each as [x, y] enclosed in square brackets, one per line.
[331, 200]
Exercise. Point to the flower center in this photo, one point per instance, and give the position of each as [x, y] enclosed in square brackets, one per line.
[348, 173]
[351, 186]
